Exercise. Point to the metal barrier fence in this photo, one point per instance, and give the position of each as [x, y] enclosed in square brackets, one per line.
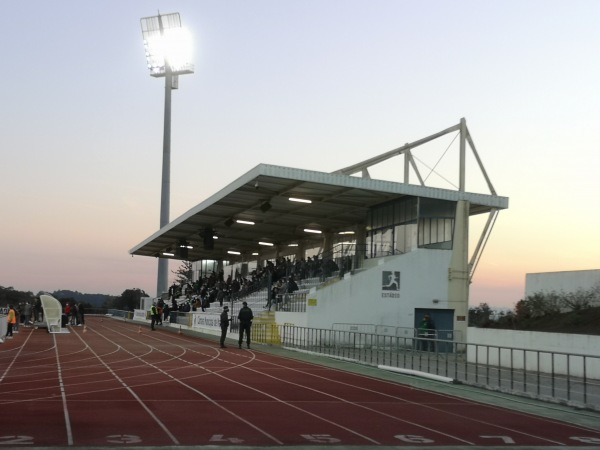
[117, 313]
[572, 379]
[295, 302]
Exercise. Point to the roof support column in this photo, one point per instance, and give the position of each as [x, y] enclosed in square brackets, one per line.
[458, 272]
[328, 244]
[300, 250]
[361, 246]
[463, 152]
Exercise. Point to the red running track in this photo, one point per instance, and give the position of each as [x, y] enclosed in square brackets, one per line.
[113, 383]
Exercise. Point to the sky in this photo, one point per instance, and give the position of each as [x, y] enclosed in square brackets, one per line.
[312, 84]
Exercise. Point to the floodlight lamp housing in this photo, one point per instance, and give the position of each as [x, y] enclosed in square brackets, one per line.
[167, 45]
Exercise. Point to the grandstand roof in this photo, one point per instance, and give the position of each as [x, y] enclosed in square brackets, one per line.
[339, 203]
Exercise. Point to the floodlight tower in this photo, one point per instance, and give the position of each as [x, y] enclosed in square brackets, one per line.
[168, 54]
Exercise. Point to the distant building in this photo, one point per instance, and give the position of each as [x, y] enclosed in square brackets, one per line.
[562, 282]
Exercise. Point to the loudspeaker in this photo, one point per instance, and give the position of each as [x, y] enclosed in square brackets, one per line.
[208, 239]
[182, 252]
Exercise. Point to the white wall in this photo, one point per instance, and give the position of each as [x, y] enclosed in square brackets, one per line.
[536, 341]
[559, 282]
[359, 298]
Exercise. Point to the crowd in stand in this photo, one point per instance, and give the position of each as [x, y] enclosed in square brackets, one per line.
[283, 274]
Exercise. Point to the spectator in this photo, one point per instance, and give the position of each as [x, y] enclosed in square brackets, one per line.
[73, 316]
[81, 310]
[427, 333]
[224, 325]
[160, 305]
[12, 320]
[153, 315]
[245, 317]
[26, 314]
[38, 311]
[166, 311]
[68, 312]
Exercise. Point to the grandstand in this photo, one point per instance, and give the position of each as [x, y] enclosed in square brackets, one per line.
[391, 251]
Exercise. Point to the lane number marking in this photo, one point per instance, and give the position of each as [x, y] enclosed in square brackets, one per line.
[123, 439]
[321, 438]
[220, 438]
[16, 440]
[414, 439]
[505, 439]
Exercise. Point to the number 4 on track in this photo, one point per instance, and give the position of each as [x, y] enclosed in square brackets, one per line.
[220, 438]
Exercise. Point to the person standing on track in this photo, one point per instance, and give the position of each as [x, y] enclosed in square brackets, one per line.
[224, 325]
[245, 317]
[81, 310]
[68, 312]
[153, 315]
[12, 320]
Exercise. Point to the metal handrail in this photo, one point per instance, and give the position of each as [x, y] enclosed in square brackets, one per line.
[566, 378]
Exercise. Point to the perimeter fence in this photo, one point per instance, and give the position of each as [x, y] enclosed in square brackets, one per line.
[566, 378]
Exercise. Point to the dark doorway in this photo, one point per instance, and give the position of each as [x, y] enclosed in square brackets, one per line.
[444, 326]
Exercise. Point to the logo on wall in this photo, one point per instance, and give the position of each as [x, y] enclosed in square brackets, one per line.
[390, 284]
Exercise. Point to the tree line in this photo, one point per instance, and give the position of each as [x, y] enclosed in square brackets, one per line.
[569, 311]
[128, 300]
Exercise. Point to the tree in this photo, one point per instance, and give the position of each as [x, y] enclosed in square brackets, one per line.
[9, 296]
[129, 300]
[580, 299]
[184, 273]
[480, 315]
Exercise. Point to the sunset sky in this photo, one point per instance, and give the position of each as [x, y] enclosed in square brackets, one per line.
[313, 84]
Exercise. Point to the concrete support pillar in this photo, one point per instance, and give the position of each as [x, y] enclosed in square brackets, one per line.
[458, 272]
[361, 246]
[300, 250]
[328, 245]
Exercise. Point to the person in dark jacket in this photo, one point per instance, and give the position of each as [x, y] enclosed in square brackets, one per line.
[224, 325]
[427, 333]
[245, 317]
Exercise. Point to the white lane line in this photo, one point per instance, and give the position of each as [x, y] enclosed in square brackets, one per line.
[193, 389]
[131, 391]
[462, 416]
[62, 394]
[14, 358]
[266, 394]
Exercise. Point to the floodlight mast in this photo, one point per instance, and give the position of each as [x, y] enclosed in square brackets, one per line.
[163, 41]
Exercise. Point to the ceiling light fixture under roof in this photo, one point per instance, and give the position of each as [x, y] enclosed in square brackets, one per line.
[346, 232]
[233, 252]
[310, 230]
[292, 245]
[245, 222]
[168, 254]
[269, 244]
[299, 200]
